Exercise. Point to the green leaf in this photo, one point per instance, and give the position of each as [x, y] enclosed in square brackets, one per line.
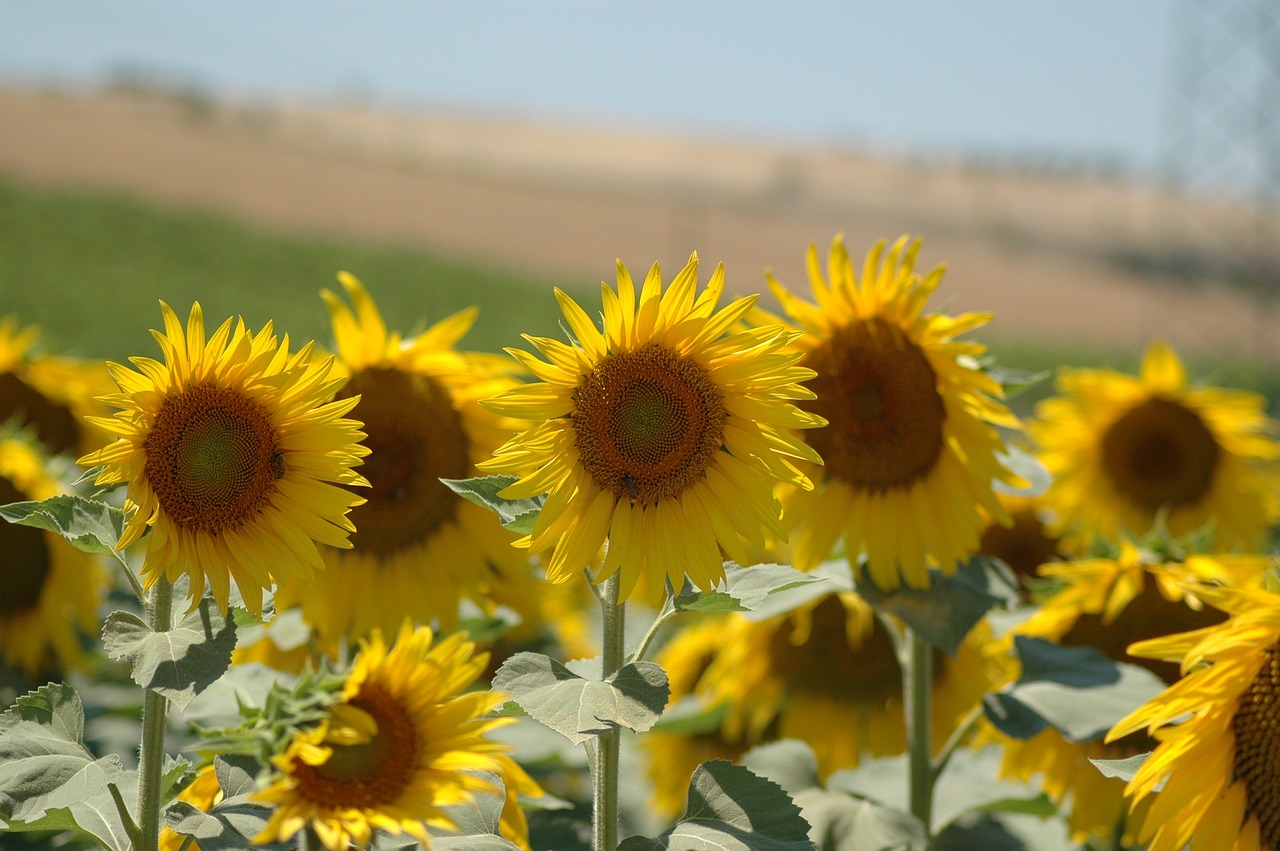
[1124, 769]
[518, 515]
[91, 525]
[476, 822]
[691, 716]
[578, 708]
[837, 577]
[788, 762]
[1015, 381]
[44, 764]
[1078, 691]
[1027, 467]
[841, 822]
[731, 809]
[236, 774]
[179, 663]
[229, 826]
[745, 588]
[951, 606]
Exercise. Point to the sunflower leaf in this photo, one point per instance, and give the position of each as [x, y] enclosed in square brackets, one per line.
[1078, 691]
[731, 809]
[1015, 381]
[951, 606]
[90, 525]
[44, 765]
[179, 663]
[1027, 467]
[842, 822]
[579, 708]
[96, 816]
[745, 588]
[229, 826]
[518, 515]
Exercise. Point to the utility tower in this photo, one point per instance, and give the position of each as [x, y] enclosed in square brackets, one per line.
[1221, 149]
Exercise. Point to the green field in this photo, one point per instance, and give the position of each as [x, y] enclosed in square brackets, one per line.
[89, 268]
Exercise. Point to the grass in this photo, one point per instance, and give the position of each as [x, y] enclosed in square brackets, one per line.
[89, 269]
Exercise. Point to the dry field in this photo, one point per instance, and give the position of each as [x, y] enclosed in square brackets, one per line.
[1038, 250]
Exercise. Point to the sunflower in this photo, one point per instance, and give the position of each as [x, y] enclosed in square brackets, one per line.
[1109, 604]
[828, 674]
[48, 394]
[203, 793]
[910, 449]
[52, 590]
[672, 757]
[661, 433]
[1025, 543]
[1124, 450]
[1217, 731]
[229, 448]
[419, 547]
[399, 746]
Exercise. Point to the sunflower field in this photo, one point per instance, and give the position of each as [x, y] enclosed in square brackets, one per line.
[700, 572]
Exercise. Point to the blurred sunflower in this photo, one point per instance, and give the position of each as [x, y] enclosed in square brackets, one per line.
[1109, 604]
[203, 793]
[229, 448]
[1123, 449]
[418, 547]
[672, 757]
[50, 395]
[401, 745]
[1025, 543]
[662, 434]
[828, 674]
[1217, 732]
[52, 590]
[910, 449]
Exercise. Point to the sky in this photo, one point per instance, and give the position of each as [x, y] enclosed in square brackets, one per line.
[1079, 81]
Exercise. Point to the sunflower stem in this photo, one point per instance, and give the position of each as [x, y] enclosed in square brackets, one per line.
[668, 610]
[917, 678]
[154, 709]
[605, 791]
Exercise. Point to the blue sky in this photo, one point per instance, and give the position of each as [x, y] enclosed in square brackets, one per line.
[1084, 79]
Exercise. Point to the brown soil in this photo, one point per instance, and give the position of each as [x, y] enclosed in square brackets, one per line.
[1033, 249]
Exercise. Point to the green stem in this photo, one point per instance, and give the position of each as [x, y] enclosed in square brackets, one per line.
[605, 769]
[154, 708]
[917, 678]
[667, 611]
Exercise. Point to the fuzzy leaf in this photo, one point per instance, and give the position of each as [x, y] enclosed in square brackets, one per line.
[840, 822]
[235, 773]
[44, 764]
[1125, 769]
[951, 606]
[229, 826]
[731, 809]
[1027, 467]
[1078, 691]
[578, 708]
[745, 588]
[836, 577]
[479, 816]
[788, 762]
[180, 663]
[91, 525]
[517, 515]
[1015, 381]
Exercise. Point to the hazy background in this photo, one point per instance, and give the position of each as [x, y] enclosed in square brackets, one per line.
[1097, 174]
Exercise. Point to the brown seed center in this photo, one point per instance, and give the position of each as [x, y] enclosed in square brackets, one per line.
[212, 459]
[52, 422]
[1160, 453]
[371, 775]
[648, 423]
[1148, 615]
[415, 437]
[880, 397]
[24, 560]
[830, 665]
[1256, 725]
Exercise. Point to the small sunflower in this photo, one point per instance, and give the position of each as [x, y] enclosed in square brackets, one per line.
[911, 451]
[1109, 604]
[419, 547]
[52, 590]
[1218, 730]
[229, 448]
[1123, 449]
[661, 433]
[672, 757]
[828, 674]
[50, 395]
[399, 746]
